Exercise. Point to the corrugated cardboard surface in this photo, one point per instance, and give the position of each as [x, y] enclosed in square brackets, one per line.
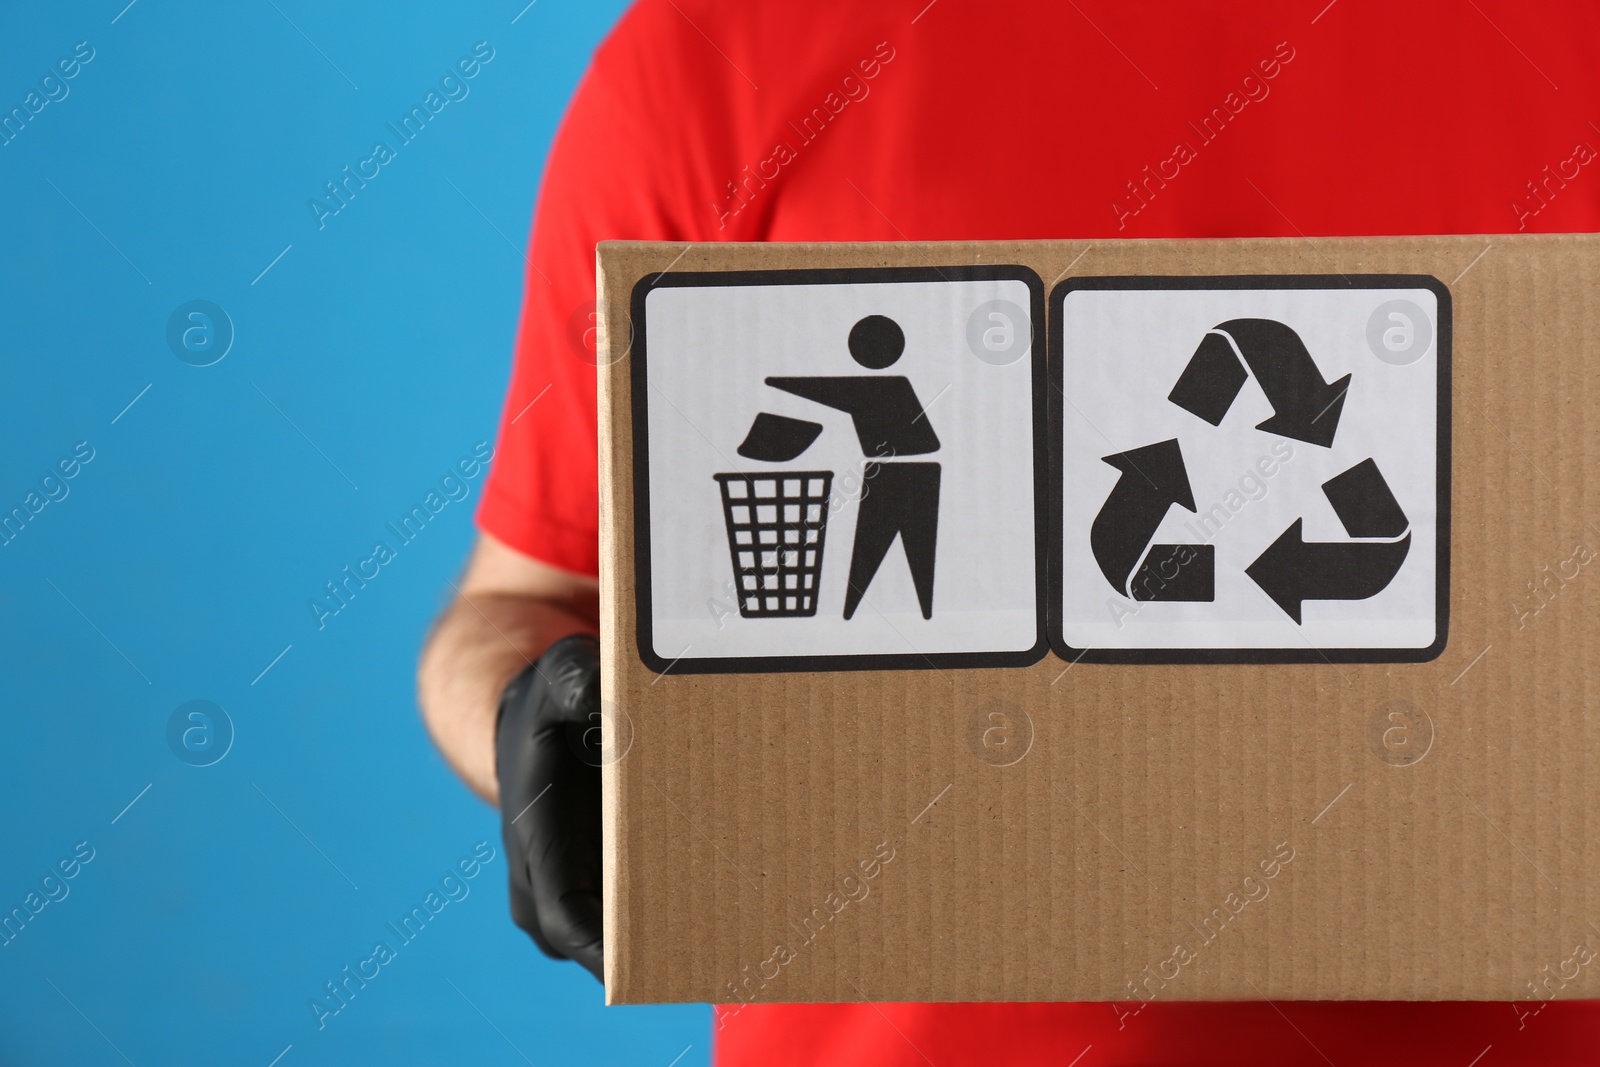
[748, 810]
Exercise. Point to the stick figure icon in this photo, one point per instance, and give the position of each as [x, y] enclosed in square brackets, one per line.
[899, 497]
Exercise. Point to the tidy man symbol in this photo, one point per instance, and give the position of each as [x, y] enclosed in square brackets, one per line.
[902, 498]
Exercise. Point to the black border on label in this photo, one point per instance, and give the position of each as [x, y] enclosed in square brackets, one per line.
[1042, 468]
[1057, 534]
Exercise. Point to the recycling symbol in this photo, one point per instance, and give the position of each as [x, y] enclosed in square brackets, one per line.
[1307, 408]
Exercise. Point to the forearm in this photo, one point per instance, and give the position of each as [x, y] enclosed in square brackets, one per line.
[478, 645]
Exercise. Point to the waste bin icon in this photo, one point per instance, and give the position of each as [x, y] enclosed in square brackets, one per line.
[777, 522]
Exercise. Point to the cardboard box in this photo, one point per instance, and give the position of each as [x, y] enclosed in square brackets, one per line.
[1194, 669]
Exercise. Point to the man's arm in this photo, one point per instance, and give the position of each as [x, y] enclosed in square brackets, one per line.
[842, 392]
[509, 608]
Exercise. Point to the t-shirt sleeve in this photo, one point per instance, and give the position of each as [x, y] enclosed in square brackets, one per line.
[614, 171]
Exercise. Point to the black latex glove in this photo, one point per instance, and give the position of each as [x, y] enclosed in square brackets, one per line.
[547, 756]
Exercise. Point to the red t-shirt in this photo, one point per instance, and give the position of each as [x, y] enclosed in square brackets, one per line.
[999, 119]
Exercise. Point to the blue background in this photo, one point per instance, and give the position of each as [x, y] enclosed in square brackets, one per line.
[182, 560]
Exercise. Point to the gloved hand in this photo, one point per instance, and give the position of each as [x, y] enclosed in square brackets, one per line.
[547, 755]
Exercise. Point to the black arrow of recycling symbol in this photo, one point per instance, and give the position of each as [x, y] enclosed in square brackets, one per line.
[1293, 570]
[1153, 479]
[1305, 407]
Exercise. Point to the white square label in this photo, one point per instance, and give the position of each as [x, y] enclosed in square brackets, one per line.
[840, 469]
[1252, 468]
